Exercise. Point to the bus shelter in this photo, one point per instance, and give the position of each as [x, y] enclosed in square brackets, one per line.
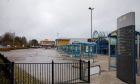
[80, 50]
[112, 50]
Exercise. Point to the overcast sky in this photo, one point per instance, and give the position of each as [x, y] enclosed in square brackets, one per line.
[42, 19]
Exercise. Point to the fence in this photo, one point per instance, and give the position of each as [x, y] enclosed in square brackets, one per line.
[48, 73]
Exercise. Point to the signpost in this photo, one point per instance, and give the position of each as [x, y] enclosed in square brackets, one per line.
[126, 62]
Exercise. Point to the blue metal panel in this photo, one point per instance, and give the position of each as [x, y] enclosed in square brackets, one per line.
[74, 49]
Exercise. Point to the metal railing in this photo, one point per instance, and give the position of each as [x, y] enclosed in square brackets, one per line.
[45, 73]
[51, 73]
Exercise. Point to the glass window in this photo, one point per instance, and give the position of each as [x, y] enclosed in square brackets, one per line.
[86, 48]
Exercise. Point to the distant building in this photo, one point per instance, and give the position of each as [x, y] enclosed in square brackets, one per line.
[65, 41]
[78, 40]
[61, 42]
[47, 44]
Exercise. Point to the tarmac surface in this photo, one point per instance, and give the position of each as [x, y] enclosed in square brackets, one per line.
[107, 76]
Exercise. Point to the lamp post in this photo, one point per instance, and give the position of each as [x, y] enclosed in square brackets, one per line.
[91, 24]
[91, 20]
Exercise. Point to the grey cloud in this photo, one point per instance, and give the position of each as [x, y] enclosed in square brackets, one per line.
[71, 18]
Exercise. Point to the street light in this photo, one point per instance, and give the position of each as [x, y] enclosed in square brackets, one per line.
[91, 20]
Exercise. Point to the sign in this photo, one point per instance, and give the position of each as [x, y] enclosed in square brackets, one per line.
[93, 70]
[113, 41]
[125, 48]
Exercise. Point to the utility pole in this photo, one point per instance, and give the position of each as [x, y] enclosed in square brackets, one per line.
[91, 20]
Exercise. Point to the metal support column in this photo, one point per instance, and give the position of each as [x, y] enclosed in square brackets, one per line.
[52, 72]
[88, 71]
[12, 72]
[138, 58]
[109, 54]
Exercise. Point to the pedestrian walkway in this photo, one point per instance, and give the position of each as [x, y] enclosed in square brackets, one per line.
[106, 77]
